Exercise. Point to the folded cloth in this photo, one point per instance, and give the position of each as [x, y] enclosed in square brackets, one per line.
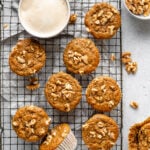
[10, 25]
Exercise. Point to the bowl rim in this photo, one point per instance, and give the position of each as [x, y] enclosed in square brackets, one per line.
[136, 16]
[48, 36]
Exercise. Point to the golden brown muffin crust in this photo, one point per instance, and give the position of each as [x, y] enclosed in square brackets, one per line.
[27, 57]
[100, 132]
[55, 137]
[139, 136]
[81, 56]
[103, 20]
[103, 93]
[31, 123]
[63, 91]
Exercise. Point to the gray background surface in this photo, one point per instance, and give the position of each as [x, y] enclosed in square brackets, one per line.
[136, 39]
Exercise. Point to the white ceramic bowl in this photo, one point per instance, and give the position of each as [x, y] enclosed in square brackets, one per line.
[48, 34]
[141, 17]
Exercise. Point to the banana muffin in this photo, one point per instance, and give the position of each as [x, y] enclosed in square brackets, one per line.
[81, 56]
[27, 57]
[31, 123]
[63, 92]
[103, 93]
[102, 20]
[139, 136]
[59, 138]
[100, 132]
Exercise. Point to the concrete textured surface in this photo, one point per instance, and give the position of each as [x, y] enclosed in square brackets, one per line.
[136, 39]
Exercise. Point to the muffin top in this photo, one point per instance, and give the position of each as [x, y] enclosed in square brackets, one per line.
[63, 91]
[103, 93]
[100, 132]
[55, 137]
[27, 57]
[139, 136]
[81, 56]
[31, 123]
[102, 20]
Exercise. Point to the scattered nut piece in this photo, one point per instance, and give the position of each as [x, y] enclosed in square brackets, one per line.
[73, 18]
[134, 104]
[33, 85]
[5, 26]
[131, 67]
[126, 54]
[126, 60]
[112, 57]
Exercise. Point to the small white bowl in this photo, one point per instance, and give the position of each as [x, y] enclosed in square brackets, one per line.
[141, 17]
[47, 34]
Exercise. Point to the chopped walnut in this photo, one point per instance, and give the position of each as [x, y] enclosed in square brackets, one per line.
[73, 18]
[112, 57]
[67, 107]
[134, 104]
[15, 123]
[100, 124]
[126, 57]
[139, 7]
[85, 126]
[92, 134]
[131, 67]
[33, 85]
[5, 26]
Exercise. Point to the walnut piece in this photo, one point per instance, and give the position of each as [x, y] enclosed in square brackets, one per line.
[73, 18]
[5, 26]
[131, 67]
[34, 84]
[134, 104]
[67, 107]
[112, 57]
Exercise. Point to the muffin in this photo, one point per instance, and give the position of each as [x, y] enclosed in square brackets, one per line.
[63, 92]
[139, 136]
[31, 123]
[103, 93]
[60, 138]
[100, 132]
[81, 56]
[102, 20]
[27, 57]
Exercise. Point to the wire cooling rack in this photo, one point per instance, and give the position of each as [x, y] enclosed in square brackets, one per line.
[13, 91]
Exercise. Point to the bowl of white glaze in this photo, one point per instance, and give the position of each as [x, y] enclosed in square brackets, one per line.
[44, 18]
[141, 17]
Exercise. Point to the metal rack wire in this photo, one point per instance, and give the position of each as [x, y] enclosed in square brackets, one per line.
[13, 91]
